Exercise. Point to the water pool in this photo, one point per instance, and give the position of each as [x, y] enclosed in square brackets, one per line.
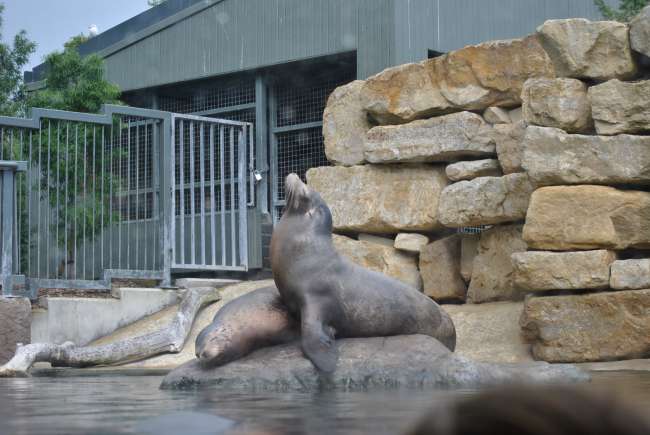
[129, 404]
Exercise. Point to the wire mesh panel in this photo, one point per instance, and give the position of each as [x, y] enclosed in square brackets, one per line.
[210, 97]
[210, 159]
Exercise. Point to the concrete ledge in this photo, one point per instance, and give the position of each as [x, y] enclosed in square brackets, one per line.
[205, 282]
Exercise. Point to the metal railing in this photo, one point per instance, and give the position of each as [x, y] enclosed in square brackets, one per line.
[100, 195]
[9, 252]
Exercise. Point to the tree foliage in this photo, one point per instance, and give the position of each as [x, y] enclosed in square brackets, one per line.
[626, 10]
[153, 3]
[12, 60]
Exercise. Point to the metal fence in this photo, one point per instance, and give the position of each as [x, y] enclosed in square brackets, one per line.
[101, 195]
[9, 252]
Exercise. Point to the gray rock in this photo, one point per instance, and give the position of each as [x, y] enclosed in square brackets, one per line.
[345, 124]
[372, 198]
[640, 32]
[539, 270]
[485, 201]
[560, 103]
[621, 107]
[516, 114]
[496, 115]
[473, 169]
[468, 252]
[630, 274]
[15, 325]
[492, 271]
[552, 156]
[379, 363]
[579, 48]
[442, 139]
[411, 242]
[440, 269]
[508, 139]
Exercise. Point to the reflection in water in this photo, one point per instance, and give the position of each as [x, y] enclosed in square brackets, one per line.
[127, 404]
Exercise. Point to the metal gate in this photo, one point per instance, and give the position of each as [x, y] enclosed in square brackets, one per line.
[212, 171]
[101, 195]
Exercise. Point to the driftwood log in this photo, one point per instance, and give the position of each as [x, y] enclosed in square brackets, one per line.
[167, 340]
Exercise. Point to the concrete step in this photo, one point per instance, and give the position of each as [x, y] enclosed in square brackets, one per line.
[82, 320]
[205, 282]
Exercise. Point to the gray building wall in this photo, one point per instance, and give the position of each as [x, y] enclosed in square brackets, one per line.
[234, 35]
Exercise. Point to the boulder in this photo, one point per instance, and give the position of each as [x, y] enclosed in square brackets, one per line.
[508, 139]
[492, 271]
[411, 242]
[496, 115]
[579, 48]
[345, 124]
[621, 107]
[15, 325]
[377, 363]
[490, 74]
[562, 218]
[380, 258]
[485, 201]
[440, 269]
[539, 270]
[490, 332]
[590, 327]
[471, 78]
[630, 274]
[372, 198]
[552, 156]
[403, 93]
[640, 32]
[561, 103]
[442, 139]
[468, 252]
[516, 114]
[473, 169]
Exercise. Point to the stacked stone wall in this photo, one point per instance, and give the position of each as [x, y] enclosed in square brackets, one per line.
[544, 143]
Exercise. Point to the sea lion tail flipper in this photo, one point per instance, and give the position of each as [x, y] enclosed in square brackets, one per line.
[318, 342]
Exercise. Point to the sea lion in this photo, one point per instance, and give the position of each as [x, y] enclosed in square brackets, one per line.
[333, 297]
[247, 323]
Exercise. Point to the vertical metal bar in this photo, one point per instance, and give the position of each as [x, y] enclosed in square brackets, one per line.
[181, 142]
[260, 143]
[250, 145]
[158, 170]
[213, 199]
[85, 196]
[28, 193]
[17, 208]
[47, 217]
[57, 206]
[273, 179]
[192, 205]
[93, 193]
[222, 176]
[2, 141]
[6, 267]
[167, 184]
[137, 195]
[243, 210]
[233, 221]
[75, 194]
[144, 179]
[38, 176]
[66, 205]
[202, 175]
[101, 196]
[110, 194]
[128, 195]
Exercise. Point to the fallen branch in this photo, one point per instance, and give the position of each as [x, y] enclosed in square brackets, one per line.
[168, 340]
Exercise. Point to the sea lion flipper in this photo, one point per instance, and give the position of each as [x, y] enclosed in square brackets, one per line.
[318, 342]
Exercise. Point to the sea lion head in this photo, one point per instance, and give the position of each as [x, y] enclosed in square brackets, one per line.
[305, 203]
[213, 348]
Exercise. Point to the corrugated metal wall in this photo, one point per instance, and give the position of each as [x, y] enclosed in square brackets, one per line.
[235, 35]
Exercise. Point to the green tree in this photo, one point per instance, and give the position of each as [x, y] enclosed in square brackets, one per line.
[153, 3]
[75, 165]
[627, 9]
[12, 60]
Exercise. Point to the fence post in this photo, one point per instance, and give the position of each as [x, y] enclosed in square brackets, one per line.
[8, 171]
[166, 192]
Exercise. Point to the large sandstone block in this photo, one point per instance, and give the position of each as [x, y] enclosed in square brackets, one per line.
[411, 242]
[564, 218]
[561, 103]
[380, 258]
[640, 32]
[15, 325]
[485, 201]
[621, 107]
[630, 274]
[472, 78]
[539, 270]
[508, 139]
[441, 139]
[579, 48]
[345, 124]
[373, 198]
[492, 271]
[497, 115]
[440, 269]
[590, 327]
[473, 169]
[551, 156]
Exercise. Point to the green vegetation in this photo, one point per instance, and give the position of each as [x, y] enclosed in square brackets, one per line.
[12, 60]
[153, 3]
[627, 9]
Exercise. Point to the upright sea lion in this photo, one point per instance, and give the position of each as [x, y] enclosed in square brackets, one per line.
[333, 297]
[249, 322]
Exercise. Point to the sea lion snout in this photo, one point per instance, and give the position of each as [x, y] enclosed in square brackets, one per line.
[296, 192]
